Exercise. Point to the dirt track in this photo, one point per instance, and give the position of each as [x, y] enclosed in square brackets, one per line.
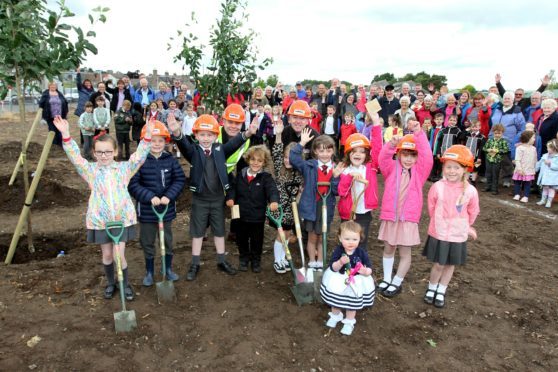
[502, 311]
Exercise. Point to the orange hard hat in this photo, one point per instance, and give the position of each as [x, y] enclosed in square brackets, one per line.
[356, 140]
[301, 109]
[407, 143]
[159, 129]
[460, 154]
[234, 112]
[207, 123]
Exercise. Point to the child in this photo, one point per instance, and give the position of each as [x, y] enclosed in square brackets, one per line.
[347, 128]
[336, 291]
[101, 116]
[189, 119]
[525, 164]
[265, 126]
[138, 121]
[252, 191]
[153, 113]
[159, 182]
[495, 149]
[447, 137]
[548, 173]
[316, 117]
[288, 182]
[473, 139]
[357, 199]
[123, 121]
[453, 206]
[404, 175]
[319, 169]
[435, 145]
[178, 115]
[87, 127]
[329, 126]
[109, 199]
[427, 126]
[394, 128]
[208, 181]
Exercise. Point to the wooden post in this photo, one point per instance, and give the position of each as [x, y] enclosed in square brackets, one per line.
[26, 146]
[29, 198]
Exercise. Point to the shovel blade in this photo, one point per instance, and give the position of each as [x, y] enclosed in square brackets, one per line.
[301, 276]
[125, 321]
[317, 283]
[303, 293]
[165, 291]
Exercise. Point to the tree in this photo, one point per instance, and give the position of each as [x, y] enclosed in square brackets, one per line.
[471, 89]
[259, 83]
[421, 77]
[35, 43]
[388, 76]
[233, 56]
[272, 80]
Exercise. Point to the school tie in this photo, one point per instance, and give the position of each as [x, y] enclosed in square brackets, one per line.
[324, 169]
[207, 152]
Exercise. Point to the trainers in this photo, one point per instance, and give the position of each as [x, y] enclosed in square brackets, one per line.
[278, 267]
[286, 265]
[109, 291]
[524, 199]
[542, 201]
[506, 184]
[348, 326]
[129, 293]
[334, 319]
[516, 197]
[148, 279]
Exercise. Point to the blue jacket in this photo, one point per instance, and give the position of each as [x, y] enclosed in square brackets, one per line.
[138, 96]
[196, 157]
[548, 174]
[309, 170]
[513, 122]
[165, 96]
[83, 95]
[157, 177]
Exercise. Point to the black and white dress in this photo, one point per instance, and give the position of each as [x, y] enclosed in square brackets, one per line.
[337, 293]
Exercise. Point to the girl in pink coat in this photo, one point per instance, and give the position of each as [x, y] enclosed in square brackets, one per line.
[405, 163]
[453, 206]
[358, 187]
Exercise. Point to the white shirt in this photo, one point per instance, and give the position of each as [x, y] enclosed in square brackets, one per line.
[358, 187]
[329, 165]
[329, 126]
[188, 124]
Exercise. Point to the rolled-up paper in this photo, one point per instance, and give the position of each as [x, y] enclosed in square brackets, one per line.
[235, 212]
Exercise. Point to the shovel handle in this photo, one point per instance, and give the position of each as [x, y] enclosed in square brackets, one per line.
[160, 215]
[115, 225]
[298, 231]
[276, 221]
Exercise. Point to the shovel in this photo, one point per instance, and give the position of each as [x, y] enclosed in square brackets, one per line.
[125, 320]
[319, 274]
[165, 288]
[358, 197]
[301, 290]
[308, 275]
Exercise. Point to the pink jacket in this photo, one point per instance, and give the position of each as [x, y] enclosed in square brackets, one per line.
[361, 103]
[447, 223]
[391, 169]
[371, 194]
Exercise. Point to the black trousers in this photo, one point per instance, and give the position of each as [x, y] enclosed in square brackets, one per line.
[492, 175]
[249, 238]
[149, 232]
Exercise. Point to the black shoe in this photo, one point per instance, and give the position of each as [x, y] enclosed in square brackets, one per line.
[129, 293]
[243, 266]
[391, 293]
[440, 302]
[109, 291]
[226, 267]
[429, 296]
[256, 267]
[192, 272]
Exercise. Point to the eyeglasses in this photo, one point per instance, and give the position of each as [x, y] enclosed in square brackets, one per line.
[518, 94]
[104, 153]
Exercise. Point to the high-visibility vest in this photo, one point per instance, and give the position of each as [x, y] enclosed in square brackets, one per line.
[231, 161]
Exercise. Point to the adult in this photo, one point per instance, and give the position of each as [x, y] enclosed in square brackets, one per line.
[53, 104]
[405, 112]
[464, 105]
[268, 93]
[513, 121]
[424, 109]
[128, 85]
[85, 90]
[144, 94]
[278, 93]
[163, 94]
[547, 126]
[321, 99]
[535, 105]
[300, 92]
[493, 101]
[418, 88]
[406, 92]
[259, 97]
[119, 94]
[373, 92]
[349, 106]
[389, 104]
[101, 91]
[288, 99]
[298, 116]
[519, 93]
[481, 112]
[308, 94]
[175, 89]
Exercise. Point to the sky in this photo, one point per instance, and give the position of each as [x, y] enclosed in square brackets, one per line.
[467, 41]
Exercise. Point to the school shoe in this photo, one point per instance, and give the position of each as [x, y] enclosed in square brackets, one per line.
[279, 268]
[242, 265]
[440, 300]
[524, 199]
[286, 265]
[319, 266]
[391, 292]
[348, 326]
[109, 291]
[149, 267]
[506, 184]
[429, 296]
[256, 267]
[382, 286]
[192, 272]
[226, 267]
[516, 197]
[542, 201]
[334, 319]
[129, 293]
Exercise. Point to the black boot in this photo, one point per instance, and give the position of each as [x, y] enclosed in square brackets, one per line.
[128, 291]
[109, 273]
[149, 269]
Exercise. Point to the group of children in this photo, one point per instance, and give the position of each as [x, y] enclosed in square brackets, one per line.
[154, 178]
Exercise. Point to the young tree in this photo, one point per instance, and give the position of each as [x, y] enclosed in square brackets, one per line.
[272, 80]
[233, 55]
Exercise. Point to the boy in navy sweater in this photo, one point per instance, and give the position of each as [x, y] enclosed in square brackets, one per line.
[158, 182]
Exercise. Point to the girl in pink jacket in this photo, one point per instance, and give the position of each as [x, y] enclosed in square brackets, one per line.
[453, 206]
[358, 187]
[404, 177]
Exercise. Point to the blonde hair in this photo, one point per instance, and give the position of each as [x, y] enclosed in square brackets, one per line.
[351, 226]
[260, 151]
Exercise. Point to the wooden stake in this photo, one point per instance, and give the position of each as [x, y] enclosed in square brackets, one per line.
[29, 198]
[21, 159]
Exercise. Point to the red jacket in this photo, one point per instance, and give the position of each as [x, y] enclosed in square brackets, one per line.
[238, 98]
[346, 131]
[316, 120]
[484, 118]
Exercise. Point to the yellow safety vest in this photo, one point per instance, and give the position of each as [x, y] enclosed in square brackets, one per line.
[231, 161]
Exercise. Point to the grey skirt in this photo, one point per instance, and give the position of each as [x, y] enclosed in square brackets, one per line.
[101, 236]
[445, 253]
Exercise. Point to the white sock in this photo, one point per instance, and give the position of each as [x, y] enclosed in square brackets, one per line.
[442, 288]
[277, 251]
[397, 281]
[432, 287]
[388, 268]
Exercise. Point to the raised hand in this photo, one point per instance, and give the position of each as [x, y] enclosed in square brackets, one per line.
[395, 140]
[150, 125]
[173, 125]
[545, 80]
[306, 136]
[339, 168]
[413, 126]
[62, 125]
[253, 129]
[497, 78]
[279, 127]
[375, 118]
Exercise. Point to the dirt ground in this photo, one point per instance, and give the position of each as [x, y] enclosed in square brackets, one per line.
[501, 311]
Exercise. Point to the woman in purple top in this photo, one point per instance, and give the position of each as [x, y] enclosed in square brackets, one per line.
[53, 104]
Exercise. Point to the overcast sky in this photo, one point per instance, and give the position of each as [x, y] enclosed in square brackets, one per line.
[468, 41]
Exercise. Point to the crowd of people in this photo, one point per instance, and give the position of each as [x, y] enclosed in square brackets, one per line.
[271, 147]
